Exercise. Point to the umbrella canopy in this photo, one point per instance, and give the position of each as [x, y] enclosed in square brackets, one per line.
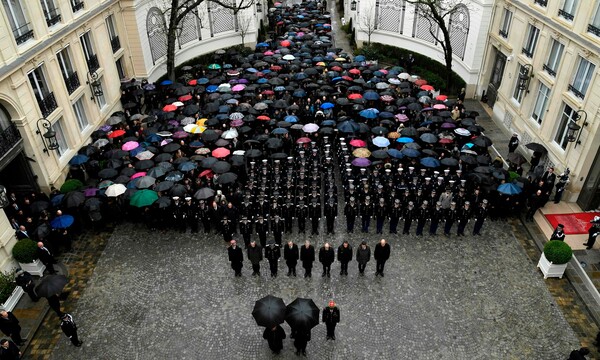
[62, 222]
[509, 189]
[361, 153]
[269, 311]
[115, 190]
[71, 185]
[361, 162]
[227, 178]
[73, 199]
[51, 285]
[302, 314]
[516, 158]
[143, 198]
[430, 162]
[204, 193]
[380, 141]
[220, 152]
[537, 147]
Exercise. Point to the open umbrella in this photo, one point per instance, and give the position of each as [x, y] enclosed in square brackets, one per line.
[430, 162]
[380, 141]
[115, 190]
[51, 285]
[482, 141]
[429, 138]
[145, 182]
[516, 158]
[302, 314]
[220, 152]
[73, 199]
[42, 231]
[71, 185]
[537, 147]
[361, 162]
[62, 222]
[78, 159]
[361, 153]
[509, 189]
[269, 311]
[204, 193]
[227, 178]
[143, 198]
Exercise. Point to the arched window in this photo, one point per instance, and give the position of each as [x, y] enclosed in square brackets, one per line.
[4, 118]
[221, 19]
[188, 29]
[156, 29]
[459, 30]
[390, 15]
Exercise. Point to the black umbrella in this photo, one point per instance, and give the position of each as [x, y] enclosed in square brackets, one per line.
[39, 206]
[73, 199]
[483, 170]
[516, 158]
[92, 204]
[483, 160]
[42, 231]
[178, 190]
[302, 314]
[51, 285]
[269, 311]
[449, 162]
[274, 143]
[170, 148]
[227, 178]
[210, 135]
[409, 132]
[380, 154]
[220, 167]
[468, 159]
[107, 173]
[204, 193]
[208, 162]
[163, 186]
[253, 153]
[163, 202]
[537, 147]
[482, 141]
[144, 164]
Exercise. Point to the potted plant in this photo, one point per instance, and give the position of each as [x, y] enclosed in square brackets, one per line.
[555, 257]
[10, 293]
[25, 252]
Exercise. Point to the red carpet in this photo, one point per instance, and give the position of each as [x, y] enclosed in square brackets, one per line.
[576, 223]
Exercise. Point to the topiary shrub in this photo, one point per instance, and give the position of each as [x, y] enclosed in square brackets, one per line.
[558, 252]
[7, 285]
[25, 251]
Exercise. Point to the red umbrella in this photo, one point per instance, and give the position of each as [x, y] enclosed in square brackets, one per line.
[336, 68]
[441, 97]
[358, 143]
[303, 140]
[169, 108]
[276, 68]
[208, 173]
[354, 71]
[426, 87]
[220, 152]
[285, 43]
[263, 118]
[354, 96]
[347, 78]
[185, 97]
[420, 82]
[446, 141]
[116, 133]
[193, 82]
[267, 92]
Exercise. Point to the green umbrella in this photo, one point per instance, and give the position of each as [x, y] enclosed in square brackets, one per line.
[143, 198]
[71, 185]
[214, 66]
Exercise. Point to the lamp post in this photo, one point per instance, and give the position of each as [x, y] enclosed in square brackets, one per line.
[573, 129]
[525, 77]
[259, 6]
[3, 197]
[48, 137]
[353, 5]
[95, 85]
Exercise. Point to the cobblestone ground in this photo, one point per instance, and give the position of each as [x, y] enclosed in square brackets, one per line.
[160, 295]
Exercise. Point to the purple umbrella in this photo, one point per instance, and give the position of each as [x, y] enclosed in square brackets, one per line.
[180, 135]
[361, 162]
[90, 192]
[448, 125]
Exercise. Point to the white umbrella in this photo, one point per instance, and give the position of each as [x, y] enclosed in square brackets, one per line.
[230, 134]
[403, 76]
[177, 103]
[115, 190]
[101, 142]
[289, 57]
[194, 129]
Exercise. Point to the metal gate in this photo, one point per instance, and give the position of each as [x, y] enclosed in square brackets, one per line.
[459, 30]
[220, 18]
[188, 29]
[156, 29]
[390, 15]
[423, 28]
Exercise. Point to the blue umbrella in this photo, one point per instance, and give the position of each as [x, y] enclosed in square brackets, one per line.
[381, 141]
[203, 81]
[327, 105]
[291, 119]
[395, 153]
[153, 138]
[371, 95]
[300, 76]
[62, 222]
[360, 58]
[386, 115]
[78, 159]
[299, 93]
[166, 82]
[251, 70]
[509, 189]
[328, 123]
[56, 200]
[405, 140]
[429, 162]
[211, 88]
[279, 131]
[187, 166]
[348, 126]
[370, 113]
[262, 44]
[136, 151]
[411, 153]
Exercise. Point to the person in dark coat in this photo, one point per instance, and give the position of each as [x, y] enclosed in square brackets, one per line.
[9, 325]
[350, 211]
[558, 233]
[513, 143]
[255, 256]
[437, 216]
[307, 256]
[326, 258]
[69, 328]
[46, 257]
[246, 230]
[291, 255]
[536, 201]
[366, 211]
[422, 215]
[236, 257]
[226, 228]
[480, 215]
[363, 255]
[301, 339]
[344, 255]
[54, 303]
[262, 229]
[593, 232]
[579, 354]
[331, 316]
[272, 254]
[450, 217]
[464, 215]
[9, 350]
[395, 215]
[274, 337]
[25, 281]
[277, 227]
[381, 255]
[331, 211]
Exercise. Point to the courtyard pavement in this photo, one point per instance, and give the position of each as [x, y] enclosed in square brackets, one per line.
[157, 295]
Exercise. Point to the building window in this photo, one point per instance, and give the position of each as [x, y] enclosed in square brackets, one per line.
[66, 68]
[505, 24]
[519, 92]
[101, 99]
[594, 26]
[41, 90]
[80, 115]
[120, 69]
[21, 29]
[567, 116]
[77, 5]
[541, 104]
[554, 57]
[112, 33]
[583, 77]
[61, 139]
[50, 12]
[567, 11]
[531, 41]
[542, 3]
[88, 50]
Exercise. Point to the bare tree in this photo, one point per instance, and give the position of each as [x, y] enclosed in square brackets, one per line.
[367, 24]
[244, 25]
[438, 13]
[177, 10]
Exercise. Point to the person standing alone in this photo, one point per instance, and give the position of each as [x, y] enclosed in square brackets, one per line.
[69, 328]
[236, 257]
[382, 254]
[331, 316]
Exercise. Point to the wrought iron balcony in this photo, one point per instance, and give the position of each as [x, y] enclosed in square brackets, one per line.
[549, 70]
[23, 33]
[47, 104]
[115, 43]
[503, 33]
[76, 6]
[92, 63]
[594, 30]
[52, 18]
[565, 15]
[542, 3]
[527, 52]
[577, 93]
[9, 137]
[72, 82]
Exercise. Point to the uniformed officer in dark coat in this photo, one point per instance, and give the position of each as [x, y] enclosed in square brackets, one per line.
[480, 215]
[291, 256]
[450, 217]
[351, 211]
[331, 211]
[255, 256]
[262, 229]
[422, 216]
[366, 211]
[246, 230]
[272, 254]
[344, 255]
[25, 281]
[437, 216]
[381, 212]
[191, 214]
[204, 216]
[558, 233]
[287, 212]
[408, 215]
[277, 227]
[236, 257]
[301, 214]
[326, 258]
[177, 215]
[69, 328]
[307, 256]
[395, 215]
[314, 213]
[464, 215]
[226, 228]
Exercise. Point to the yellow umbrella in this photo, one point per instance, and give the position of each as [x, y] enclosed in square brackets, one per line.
[393, 135]
[361, 153]
[201, 121]
[194, 129]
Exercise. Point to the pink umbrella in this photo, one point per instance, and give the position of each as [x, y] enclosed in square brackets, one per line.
[130, 145]
[401, 117]
[180, 135]
[285, 43]
[238, 87]
[358, 143]
[138, 174]
[165, 142]
[303, 140]
[236, 123]
[269, 53]
[439, 106]
[220, 152]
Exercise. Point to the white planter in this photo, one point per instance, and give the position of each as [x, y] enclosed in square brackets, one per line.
[12, 301]
[34, 268]
[551, 270]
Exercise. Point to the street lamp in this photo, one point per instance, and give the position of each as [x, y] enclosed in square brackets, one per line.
[353, 5]
[259, 6]
[95, 85]
[49, 136]
[525, 77]
[573, 128]
[3, 197]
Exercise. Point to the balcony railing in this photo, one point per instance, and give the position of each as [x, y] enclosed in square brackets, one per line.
[47, 104]
[527, 52]
[92, 63]
[23, 33]
[115, 43]
[76, 6]
[594, 30]
[542, 3]
[577, 93]
[565, 15]
[72, 82]
[9, 137]
[503, 33]
[52, 18]
[549, 70]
